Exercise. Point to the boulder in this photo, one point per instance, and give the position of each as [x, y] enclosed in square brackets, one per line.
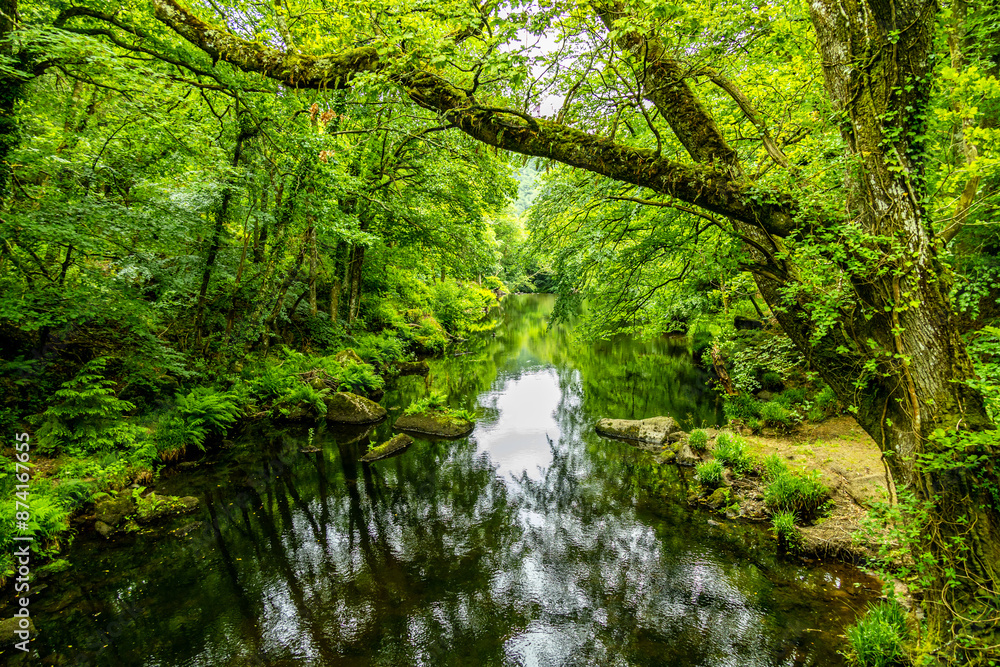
[346, 408]
[396, 445]
[104, 529]
[719, 498]
[435, 423]
[686, 457]
[413, 368]
[111, 511]
[655, 430]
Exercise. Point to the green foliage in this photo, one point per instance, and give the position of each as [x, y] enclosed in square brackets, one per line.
[88, 417]
[709, 473]
[303, 395]
[730, 449]
[698, 440]
[877, 639]
[436, 402]
[771, 381]
[801, 494]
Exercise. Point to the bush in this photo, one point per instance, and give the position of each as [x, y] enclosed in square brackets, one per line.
[698, 440]
[877, 639]
[731, 450]
[87, 417]
[816, 414]
[709, 473]
[791, 397]
[791, 492]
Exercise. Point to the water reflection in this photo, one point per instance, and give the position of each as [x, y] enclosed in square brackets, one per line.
[532, 542]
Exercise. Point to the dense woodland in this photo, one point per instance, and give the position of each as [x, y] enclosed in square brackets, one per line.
[203, 204]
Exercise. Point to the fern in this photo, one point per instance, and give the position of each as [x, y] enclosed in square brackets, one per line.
[88, 416]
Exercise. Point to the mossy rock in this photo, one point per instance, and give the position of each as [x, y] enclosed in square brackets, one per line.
[348, 356]
[111, 511]
[719, 498]
[655, 430]
[9, 628]
[436, 423]
[396, 445]
[347, 408]
[413, 368]
[154, 508]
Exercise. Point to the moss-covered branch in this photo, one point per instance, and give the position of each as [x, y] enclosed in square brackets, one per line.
[714, 190]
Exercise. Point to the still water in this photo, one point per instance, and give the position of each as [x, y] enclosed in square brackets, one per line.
[532, 542]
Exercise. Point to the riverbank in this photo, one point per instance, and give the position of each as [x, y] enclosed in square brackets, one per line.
[848, 463]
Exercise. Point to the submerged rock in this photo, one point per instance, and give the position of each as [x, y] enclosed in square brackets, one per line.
[655, 430]
[413, 368]
[153, 508]
[111, 511]
[435, 423]
[686, 456]
[396, 445]
[9, 628]
[346, 408]
[104, 529]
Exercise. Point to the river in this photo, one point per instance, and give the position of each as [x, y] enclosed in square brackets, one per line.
[532, 542]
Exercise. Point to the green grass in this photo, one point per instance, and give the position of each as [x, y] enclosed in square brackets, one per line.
[792, 492]
[877, 639]
[698, 440]
[731, 450]
[709, 473]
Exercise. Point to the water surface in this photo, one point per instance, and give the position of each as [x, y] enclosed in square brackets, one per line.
[531, 542]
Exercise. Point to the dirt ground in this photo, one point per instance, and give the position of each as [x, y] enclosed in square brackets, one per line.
[849, 463]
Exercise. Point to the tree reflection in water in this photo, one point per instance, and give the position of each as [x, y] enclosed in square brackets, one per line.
[532, 542]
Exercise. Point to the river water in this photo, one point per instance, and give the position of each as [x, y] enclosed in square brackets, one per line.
[532, 542]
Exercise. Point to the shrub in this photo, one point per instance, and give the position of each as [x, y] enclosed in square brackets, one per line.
[877, 639]
[698, 440]
[816, 414]
[791, 397]
[731, 450]
[709, 473]
[791, 492]
[826, 396]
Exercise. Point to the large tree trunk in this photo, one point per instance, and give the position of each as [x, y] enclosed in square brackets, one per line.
[911, 367]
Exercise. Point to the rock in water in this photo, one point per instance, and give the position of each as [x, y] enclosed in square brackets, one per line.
[655, 430]
[112, 511]
[435, 423]
[413, 368]
[396, 445]
[686, 457]
[346, 408]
